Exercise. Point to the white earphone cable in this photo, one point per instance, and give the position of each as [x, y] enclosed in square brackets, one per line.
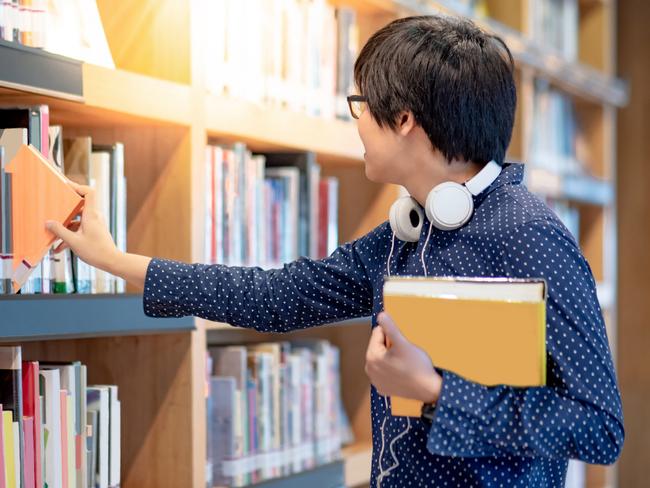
[385, 472]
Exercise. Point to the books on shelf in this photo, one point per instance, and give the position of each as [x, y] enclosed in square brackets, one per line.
[554, 24]
[100, 166]
[24, 22]
[274, 409]
[46, 435]
[558, 152]
[71, 28]
[267, 209]
[290, 53]
[39, 193]
[499, 330]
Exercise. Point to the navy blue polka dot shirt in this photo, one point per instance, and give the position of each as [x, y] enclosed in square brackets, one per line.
[480, 436]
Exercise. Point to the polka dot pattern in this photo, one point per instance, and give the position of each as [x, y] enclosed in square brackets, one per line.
[480, 436]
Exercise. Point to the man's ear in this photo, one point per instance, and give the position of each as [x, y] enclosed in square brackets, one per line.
[405, 123]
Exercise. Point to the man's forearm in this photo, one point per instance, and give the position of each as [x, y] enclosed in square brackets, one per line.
[131, 267]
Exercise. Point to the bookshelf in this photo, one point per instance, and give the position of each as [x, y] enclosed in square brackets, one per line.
[157, 104]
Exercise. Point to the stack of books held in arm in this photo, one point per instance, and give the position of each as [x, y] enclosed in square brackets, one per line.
[490, 331]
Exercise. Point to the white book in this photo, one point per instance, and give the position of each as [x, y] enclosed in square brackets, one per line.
[98, 401]
[52, 428]
[114, 437]
[100, 174]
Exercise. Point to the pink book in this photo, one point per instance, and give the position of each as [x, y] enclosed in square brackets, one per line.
[64, 436]
[3, 484]
[32, 408]
[28, 434]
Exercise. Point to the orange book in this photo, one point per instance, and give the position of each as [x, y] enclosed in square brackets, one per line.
[490, 331]
[39, 193]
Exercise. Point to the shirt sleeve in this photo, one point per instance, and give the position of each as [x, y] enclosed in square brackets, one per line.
[578, 413]
[301, 294]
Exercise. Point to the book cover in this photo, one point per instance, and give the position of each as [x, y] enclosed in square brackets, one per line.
[11, 392]
[50, 389]
[32, 408]
[61, 269]
[98, 401]
[9, 452]
[28, 463]
[223, 402]
[77, 168]
[58, 201]
[308, 196]
[114, 436]
[498, 333]
[100, 175]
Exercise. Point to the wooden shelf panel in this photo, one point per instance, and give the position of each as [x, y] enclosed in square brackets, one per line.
[42, 317]
[266, 128]
[575, 78]
[112, 98]
[358, 458]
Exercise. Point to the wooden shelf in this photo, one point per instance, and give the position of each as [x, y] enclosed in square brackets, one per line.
[142, 97]
[111, 98]
[358, 458]
[328, 475]
[267, 128]
[43, 317]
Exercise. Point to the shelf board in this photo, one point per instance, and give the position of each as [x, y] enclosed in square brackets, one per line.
[40, 72]
[266, 128]
[132, 94]
[110, 98]
[573, 77]
[221, 326]
[358, 459]
[41, 317]
[328, 475]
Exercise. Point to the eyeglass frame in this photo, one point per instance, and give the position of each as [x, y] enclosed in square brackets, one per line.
[356, 98]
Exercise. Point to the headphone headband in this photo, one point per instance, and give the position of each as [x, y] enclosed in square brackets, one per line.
[484, 178]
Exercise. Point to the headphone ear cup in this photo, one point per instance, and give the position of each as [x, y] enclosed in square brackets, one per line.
[406, 219]
[449, 206]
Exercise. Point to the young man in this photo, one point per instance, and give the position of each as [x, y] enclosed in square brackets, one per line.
[436, 104]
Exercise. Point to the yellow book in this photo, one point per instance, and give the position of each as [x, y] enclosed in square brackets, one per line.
[10, 455]
[490, 331]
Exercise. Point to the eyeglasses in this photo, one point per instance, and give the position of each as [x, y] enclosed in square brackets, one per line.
[357, 104]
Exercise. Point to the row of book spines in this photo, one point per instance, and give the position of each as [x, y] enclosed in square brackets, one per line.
[302, 57]
[285, 417]
[24, 21]
[98, 166]
[261, 215]
[56, 431]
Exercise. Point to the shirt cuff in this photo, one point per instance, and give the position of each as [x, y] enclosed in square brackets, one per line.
[457, 427]
[164, 286]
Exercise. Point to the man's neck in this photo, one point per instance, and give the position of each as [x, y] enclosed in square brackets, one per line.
[438, 170]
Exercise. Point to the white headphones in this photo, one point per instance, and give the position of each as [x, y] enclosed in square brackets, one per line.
[448, 207]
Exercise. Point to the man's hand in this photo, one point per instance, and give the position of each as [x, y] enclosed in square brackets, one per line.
[90, 238]
[402, 369]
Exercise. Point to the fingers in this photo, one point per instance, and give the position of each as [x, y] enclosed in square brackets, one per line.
[61, 247]
[81, 189]
[376, 345]
[60, 231]
[85, 191]
[392, 332]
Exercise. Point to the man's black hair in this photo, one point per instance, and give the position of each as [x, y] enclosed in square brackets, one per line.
[456, 79]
